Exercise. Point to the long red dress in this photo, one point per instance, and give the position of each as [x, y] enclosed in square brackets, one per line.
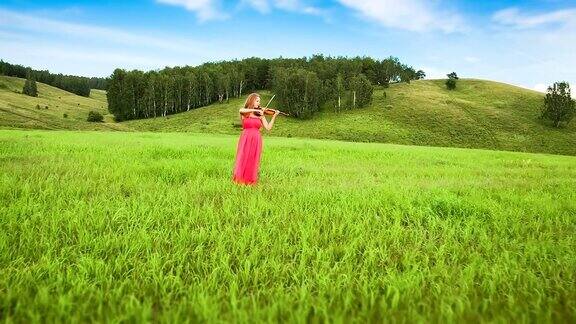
[248, 152]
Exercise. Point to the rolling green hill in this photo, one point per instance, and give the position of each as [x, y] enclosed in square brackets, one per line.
[478, 114]
[20, 111]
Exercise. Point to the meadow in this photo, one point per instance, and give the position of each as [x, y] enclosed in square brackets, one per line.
[142, 226]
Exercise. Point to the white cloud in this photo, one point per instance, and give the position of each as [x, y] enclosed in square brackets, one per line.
[512, 17]
[205, 9]
[538, 46]
[60, 12]
[412, 15]
[264, 6]
[261, 5]
[78, 58]
[471, 59]
[89, 50]
[76, 53]
[15, 20]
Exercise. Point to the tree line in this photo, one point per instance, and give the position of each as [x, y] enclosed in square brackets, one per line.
[75, 84]
[302, 85]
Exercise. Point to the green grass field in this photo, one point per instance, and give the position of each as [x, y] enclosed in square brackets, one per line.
[115, 226]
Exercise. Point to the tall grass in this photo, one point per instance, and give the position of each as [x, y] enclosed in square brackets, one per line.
[110, 226]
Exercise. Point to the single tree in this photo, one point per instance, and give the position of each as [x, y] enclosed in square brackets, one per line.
[451, 82]
[94, 116]
[30, 88]
[558, 104]
[420, 75]
[452, 75]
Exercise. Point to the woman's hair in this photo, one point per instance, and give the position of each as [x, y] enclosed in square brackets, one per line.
[250, 100]
[249, 103]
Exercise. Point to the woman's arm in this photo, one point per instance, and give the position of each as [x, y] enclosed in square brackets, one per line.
[246, 110]
[268, 125]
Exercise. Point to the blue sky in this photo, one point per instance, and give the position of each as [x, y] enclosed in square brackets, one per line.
[527, 43]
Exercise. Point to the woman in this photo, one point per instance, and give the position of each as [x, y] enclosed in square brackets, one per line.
[250, 143]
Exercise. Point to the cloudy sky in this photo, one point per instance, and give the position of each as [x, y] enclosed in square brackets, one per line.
[526, 43]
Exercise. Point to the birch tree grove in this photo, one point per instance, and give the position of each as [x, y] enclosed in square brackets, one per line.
[303, 85]
[298, 91]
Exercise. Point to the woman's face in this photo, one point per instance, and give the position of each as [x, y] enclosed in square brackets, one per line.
[257, 102]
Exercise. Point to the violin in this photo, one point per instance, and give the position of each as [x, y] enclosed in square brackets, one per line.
[270, 111]
[266, 111]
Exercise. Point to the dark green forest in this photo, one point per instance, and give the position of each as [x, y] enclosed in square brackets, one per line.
[302, 85]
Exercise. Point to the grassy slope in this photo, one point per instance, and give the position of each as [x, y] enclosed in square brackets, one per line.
[107, 226]
[18, 110]
[479, 114]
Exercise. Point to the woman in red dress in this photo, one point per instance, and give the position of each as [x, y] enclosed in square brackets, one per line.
[250, 143]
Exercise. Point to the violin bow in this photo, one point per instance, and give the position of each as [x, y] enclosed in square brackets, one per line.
[269, 101]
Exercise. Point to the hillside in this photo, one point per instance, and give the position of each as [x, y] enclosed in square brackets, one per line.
[478, 114]
[20, 111]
